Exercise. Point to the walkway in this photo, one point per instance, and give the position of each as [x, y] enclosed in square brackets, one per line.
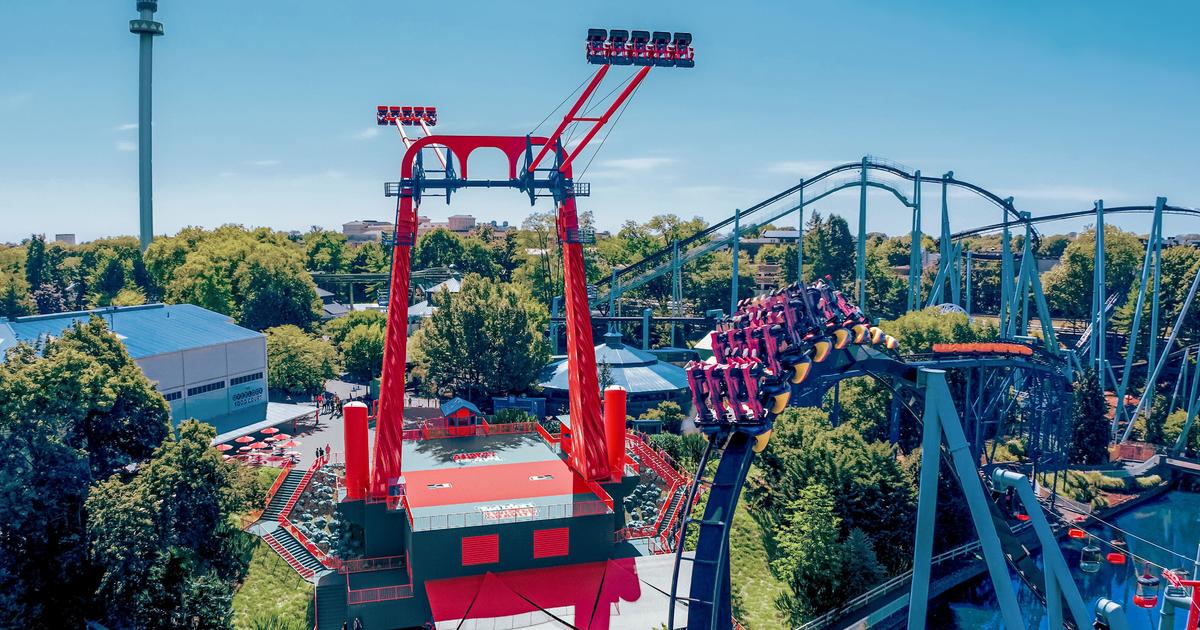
[279, 534]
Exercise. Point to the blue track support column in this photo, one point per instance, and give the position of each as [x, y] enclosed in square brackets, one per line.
[1136, 326]
[931, 440]
[1056, 569]
[735, 249]
[800, 237]
[860, 262]
[1181, 442]
[646, 328]
[555, 309]
[676, 290]
[613, 286]
[1006, 273]
[1156, 240]
[939, 408]
[946, 247]
[914, 249]
[967, 306]
[1100, 314]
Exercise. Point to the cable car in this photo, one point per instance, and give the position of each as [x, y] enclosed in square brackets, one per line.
[1089, 558]
[1146, 595]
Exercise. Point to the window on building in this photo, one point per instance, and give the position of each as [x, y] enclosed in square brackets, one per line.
[173, 396]
[238, 380]
[211, 387]
[551, 543]
[480, 550]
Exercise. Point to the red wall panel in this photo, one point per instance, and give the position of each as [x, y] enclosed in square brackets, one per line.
[480, 550]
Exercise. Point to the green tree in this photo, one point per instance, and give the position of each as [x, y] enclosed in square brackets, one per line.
[1069, 286]
[919, 330]
[669, 413]
[36, 271]
[165, 541]
[80, 410]
[1180, 264]
[298, 363]
[859, 565]
[362, 351]
[275, 291]
[369, 258]
[324, 251]
[1089, 421]
[14, 296]
[810, 555]
[437, 248]
[829, 250]
[485, 340]
[887, 292]
[710, 284]
[337, 329]
[49, 299]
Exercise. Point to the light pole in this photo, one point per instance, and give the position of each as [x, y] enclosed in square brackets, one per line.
[146, 29]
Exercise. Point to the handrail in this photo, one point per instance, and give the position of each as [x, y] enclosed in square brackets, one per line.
[291, 560]
[378, 594]
[380, 563]
[658, 462]
[287, 508]
[326, 560]
[508, 515]
[283, 473]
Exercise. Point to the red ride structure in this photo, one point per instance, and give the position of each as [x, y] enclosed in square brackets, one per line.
[589, 453]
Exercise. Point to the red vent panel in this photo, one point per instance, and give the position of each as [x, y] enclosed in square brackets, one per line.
[480, 550]
[551, 543]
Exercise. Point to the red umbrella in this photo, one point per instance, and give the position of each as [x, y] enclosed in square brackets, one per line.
[245, 448]
[291, 444]
[245, 439]
[259, 445]
[269, 431]
[224, 447]
[281, 437]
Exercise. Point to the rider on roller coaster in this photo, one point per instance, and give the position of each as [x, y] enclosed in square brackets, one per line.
[769, 345]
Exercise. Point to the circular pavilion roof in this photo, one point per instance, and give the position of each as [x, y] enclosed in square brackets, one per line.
[635, 370]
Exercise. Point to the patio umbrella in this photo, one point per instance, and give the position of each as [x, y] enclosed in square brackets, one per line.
[224, 447]
[292, 453]
[291, 444]
[269, 431]
[259, 445]
[245, 439]
[245, 448]
[280, 438]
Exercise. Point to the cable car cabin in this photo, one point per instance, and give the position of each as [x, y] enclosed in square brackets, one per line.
[660, 51]
[596, 52]
[619, 53]
[684, 56]
[639, 54]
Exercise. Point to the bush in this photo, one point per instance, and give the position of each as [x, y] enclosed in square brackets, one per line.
[1147, 482]
[511, 416]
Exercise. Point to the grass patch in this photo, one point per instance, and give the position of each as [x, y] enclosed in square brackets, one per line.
[273, 595]
[755, 587]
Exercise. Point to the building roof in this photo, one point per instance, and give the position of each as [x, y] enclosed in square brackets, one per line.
[146, 330]
[635, 370]
[456, 403]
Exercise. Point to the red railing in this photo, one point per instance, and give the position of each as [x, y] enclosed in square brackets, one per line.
[659, 462]
[283, 473]
[379, 594]
[629, 533]
[439, 432]
[328, 561]
[514, 514]
[600, 492]
[304, 571]
[546, 435]
[382, 563]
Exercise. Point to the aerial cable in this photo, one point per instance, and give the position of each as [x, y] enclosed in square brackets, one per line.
[610, 130]
[560, 104]
[1128, 534]
[587, 110]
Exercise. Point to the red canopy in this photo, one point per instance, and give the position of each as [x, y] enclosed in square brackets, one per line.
[245, 439]
[269, 431]
[224, 447]
[259, 445]
[291, 444]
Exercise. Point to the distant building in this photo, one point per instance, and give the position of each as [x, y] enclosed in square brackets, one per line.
[330, 307]
[365, 230]
[65, 239]
[205, 365]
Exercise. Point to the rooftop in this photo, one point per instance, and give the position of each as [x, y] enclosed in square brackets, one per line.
[147, 330]
[635, 370]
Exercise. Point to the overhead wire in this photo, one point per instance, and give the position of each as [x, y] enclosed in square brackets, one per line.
[560, 104]
[609, 131]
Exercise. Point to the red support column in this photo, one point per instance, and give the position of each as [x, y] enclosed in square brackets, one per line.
[389, 422]
[614, 429]
[589, 453]
[357, 462]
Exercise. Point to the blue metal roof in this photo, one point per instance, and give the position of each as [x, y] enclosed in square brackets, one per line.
[146, 330]
[8, 338]
[635, 370]
[456, 403]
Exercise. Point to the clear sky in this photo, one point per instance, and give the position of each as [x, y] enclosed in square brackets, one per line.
[264, 111]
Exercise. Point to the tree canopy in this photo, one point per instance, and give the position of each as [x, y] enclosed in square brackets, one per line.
[485, 340]
[297, 362]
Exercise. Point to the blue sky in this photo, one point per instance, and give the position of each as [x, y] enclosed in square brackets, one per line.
[264, 110]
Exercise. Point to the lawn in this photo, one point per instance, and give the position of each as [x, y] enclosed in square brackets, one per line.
[272, 596]
[754, 585]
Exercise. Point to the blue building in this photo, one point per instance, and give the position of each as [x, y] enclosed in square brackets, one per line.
[647, 380]
[205, 365]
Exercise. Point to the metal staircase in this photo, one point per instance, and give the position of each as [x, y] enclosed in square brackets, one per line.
[294, 553]
[330, 599]
[289, 487]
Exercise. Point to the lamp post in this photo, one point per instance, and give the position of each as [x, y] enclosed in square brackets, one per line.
[146, 29]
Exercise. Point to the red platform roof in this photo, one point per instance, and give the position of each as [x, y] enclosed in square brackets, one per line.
[583, 592]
